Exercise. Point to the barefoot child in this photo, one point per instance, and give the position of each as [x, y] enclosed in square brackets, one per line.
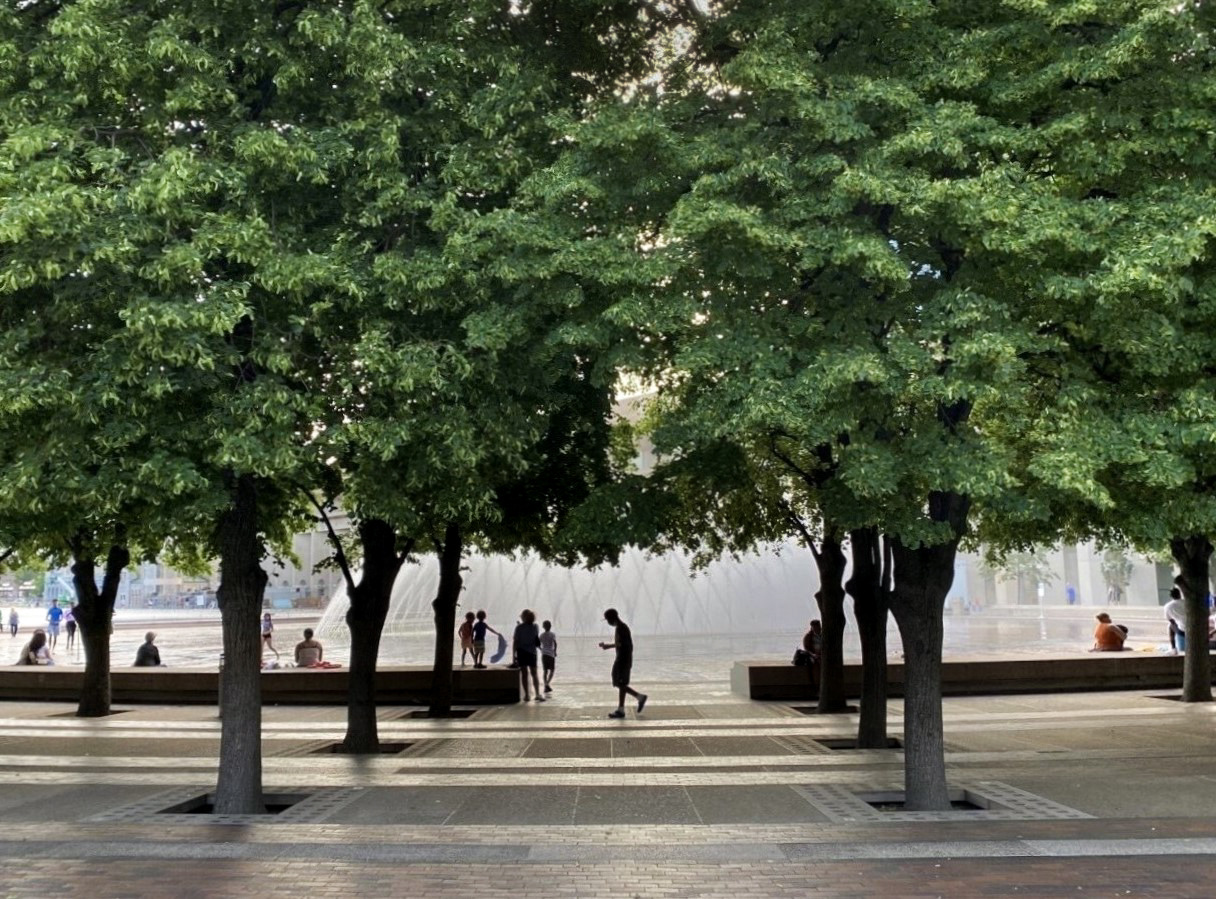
[466, 637]
[479, 639]
[548, 653]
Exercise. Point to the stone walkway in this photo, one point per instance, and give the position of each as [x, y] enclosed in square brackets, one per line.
[706, 794]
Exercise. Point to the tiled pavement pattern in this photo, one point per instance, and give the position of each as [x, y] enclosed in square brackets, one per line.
[706, 795]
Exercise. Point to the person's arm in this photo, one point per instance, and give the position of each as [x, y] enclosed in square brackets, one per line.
[607, 645]
[320, 653]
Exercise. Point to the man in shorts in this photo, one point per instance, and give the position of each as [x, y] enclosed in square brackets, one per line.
[622, 642]
[53, 616]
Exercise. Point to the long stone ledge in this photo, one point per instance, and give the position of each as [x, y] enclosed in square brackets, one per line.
[395, 685]
[1090, 671]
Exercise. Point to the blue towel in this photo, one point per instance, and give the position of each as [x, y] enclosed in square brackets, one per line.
[502, 649]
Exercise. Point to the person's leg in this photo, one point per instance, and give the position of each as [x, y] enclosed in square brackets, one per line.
[523, 680]
[640, 697]
[536, 682]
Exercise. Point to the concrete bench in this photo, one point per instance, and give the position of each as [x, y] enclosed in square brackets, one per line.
[395, 685]
[1091, 671]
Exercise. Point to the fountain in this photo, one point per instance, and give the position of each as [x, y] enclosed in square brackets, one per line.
[769, 592]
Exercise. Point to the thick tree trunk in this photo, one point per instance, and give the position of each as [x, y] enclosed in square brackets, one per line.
[242, 586]
[1193, 555]
[923, 575]
[830, 560]
[446, 600]
[369, 603]
[95, 617]
[869, 587]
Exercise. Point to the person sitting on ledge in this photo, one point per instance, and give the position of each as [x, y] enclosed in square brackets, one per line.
[36, 652]
[308, 650]
[148, 656]
[1108, 637]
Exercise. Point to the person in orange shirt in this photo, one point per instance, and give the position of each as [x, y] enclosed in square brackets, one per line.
[1108, 637]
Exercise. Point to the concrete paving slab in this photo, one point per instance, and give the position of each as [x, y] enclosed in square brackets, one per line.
[401, 806]
[1128, 794]
[643, 747]
[169, 746]
[524, 805]
[627, 805]
[68, 803]
[730, 746]
[752, 805]
[457, 748]
[569, 747]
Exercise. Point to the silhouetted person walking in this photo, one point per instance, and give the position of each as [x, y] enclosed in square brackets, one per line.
[622, 642]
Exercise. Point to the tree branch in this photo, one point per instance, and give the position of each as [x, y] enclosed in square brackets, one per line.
[405, 552]
[339, 552]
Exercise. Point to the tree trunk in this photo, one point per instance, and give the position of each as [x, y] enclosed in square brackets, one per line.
[242, 586]
[369, 603]
[1193, 555]
[95, 617]
[830, 560]
[923, 575]
[446, 600]
[869, 586]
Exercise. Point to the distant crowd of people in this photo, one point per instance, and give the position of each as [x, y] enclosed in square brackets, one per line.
[39, 650]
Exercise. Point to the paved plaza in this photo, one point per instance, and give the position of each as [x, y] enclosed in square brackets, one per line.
[706, 794]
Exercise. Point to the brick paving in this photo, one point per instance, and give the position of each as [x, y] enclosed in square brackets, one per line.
[712, 797]
[1164, 876]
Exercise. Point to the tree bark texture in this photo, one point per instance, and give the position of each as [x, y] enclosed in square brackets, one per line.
[95, 619]
[923, 575]
[369, 602]
[1193, 555]
[447, 598]
[869, 586]
[242, 587]
[830, 560]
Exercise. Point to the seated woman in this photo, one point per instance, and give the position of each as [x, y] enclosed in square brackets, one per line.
[36, 652]
[1108, 637]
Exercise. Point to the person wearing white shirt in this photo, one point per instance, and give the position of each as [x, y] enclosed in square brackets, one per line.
[1175, 613]
[548, 653]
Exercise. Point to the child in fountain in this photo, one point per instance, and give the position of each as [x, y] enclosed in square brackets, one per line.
[465, 633]
[479, 638]
[548, 653]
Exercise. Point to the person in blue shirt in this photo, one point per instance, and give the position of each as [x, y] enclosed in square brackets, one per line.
[53, 616]
[479, 639]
